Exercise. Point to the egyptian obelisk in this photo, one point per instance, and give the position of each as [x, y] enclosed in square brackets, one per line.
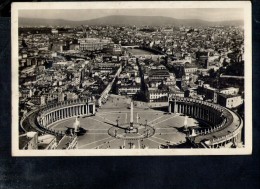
[131, 115]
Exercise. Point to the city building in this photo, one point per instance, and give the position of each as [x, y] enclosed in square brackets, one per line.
[155, 95]
[93, 44]
[230, 101]
[87, 72]
[38, 100]
[128, 90]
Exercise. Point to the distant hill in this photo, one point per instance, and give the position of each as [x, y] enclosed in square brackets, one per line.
[120, 20]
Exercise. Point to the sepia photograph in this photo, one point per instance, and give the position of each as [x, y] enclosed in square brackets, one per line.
[131, 78]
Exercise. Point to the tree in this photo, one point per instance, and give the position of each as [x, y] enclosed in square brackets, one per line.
[140, 96]
[212, 73]
[24, 44]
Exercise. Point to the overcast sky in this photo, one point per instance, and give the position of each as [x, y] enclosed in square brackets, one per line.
[219, 14]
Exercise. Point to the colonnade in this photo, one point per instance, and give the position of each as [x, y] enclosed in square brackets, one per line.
[216, 117]
[226, 139]
[206, 113]
[52, 115]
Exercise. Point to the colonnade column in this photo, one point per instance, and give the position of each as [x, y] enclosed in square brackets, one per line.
[46, 119]
[51, 117]
[58, 115]
[82, 110]
[196, 111]
[94, 109]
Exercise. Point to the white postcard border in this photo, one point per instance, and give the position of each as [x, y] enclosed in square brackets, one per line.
[246, 5]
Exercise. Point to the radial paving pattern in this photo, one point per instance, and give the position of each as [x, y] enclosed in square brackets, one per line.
[165, 127]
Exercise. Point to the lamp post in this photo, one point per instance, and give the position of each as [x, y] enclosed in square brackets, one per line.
[168, 144]
[147, 133]
[117, 120]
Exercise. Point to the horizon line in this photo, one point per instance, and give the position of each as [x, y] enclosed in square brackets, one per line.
[129, 16]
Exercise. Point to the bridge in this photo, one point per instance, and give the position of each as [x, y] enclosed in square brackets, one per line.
[131, 47]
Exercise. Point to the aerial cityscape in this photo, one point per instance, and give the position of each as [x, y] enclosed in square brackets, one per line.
[130, 81]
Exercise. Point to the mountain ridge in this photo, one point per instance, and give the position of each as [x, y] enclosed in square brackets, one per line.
[123, 20]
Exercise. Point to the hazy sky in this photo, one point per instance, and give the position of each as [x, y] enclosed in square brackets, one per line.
[218, 14]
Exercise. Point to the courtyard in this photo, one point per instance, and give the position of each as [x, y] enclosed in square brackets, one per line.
[116, 113]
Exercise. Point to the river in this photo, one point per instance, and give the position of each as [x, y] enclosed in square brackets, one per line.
[140, 52]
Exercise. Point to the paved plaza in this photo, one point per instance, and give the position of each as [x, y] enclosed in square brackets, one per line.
[116, 112]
